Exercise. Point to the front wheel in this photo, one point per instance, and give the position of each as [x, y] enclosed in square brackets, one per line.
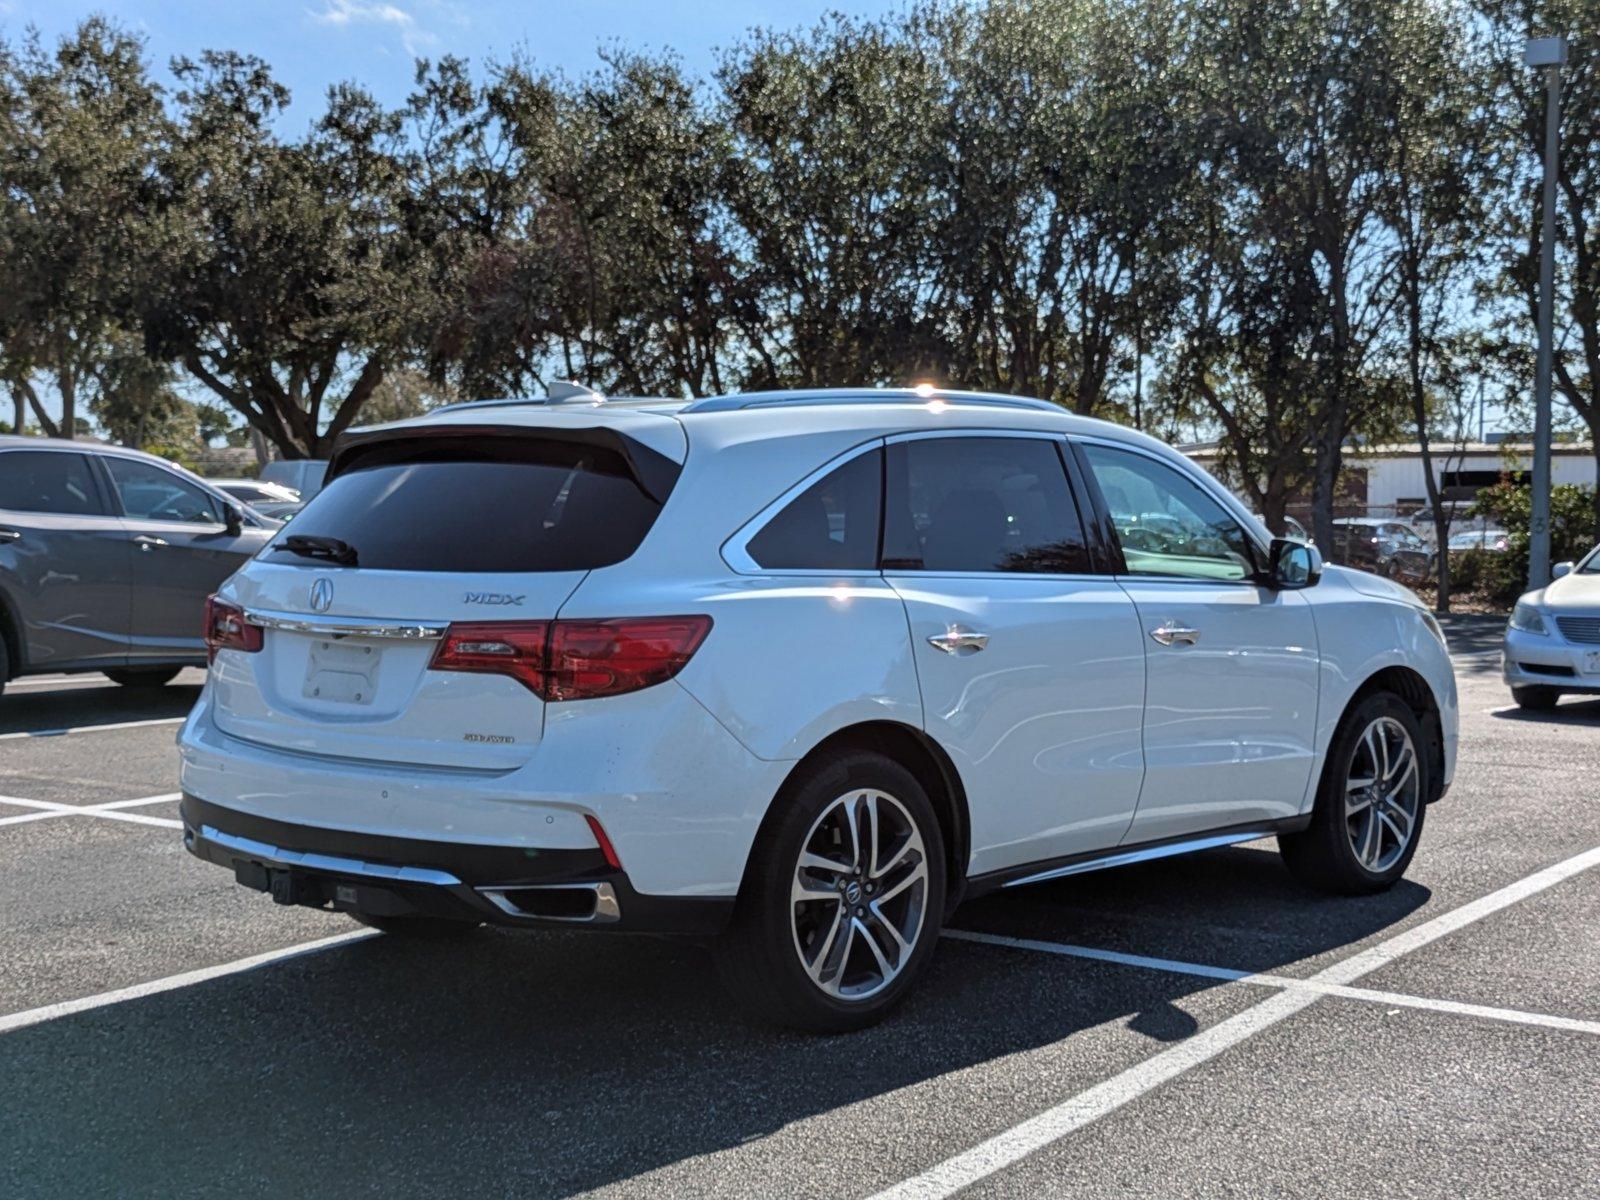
[1535, 699]
[143, 678]
[843, 899]
[1370, 804]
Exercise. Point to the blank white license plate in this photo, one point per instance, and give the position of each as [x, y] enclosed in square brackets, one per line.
[1591, 663]
[342, 672]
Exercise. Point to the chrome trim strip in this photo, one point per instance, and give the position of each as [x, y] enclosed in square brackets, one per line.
[328, 862]
[406, 631]
[606, 908]
[1145, 855]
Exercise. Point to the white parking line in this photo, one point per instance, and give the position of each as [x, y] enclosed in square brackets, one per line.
[155, 987]
[49, 809]
[1013, 1145]
[44, 733]
[1287, 982]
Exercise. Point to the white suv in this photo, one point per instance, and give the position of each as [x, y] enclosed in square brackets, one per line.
[798, 671]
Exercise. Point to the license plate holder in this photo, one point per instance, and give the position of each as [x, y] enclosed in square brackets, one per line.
[342, 672]
[1591, 663]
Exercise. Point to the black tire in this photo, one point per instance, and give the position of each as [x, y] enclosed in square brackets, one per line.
[143, 677]
[1535, 699]
[759, 957]
[5, 665]
[426, 929]
[1323, 855]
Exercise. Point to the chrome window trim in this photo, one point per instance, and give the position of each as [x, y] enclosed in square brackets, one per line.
[405, 631]
[327, 862]
[736, 550]
[1230, 505]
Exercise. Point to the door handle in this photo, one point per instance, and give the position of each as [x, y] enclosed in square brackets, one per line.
[145, 542]
[1169, 634]
[10, 535]
[959, 639]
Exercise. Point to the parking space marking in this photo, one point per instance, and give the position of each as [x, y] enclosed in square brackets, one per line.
[112, 811]
[1020, 1141]
[66, 1008]
[44, 733]
[1286, 982]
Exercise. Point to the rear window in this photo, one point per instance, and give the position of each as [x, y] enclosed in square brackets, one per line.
[514, 506]
[47, 481]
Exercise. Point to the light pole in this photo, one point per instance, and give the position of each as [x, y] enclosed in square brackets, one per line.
[1549, 53]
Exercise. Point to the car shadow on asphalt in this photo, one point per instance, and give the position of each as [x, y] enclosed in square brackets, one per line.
[548, 1064]
[1570, 711]
[79, 705]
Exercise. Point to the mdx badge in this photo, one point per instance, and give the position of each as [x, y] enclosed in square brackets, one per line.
[494, 598]
[322, 595]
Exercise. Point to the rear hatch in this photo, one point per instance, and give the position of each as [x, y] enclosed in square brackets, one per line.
[421, 528]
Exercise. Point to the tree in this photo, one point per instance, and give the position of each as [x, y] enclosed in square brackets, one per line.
[291, 284]
[1517, 98]
[80, 127]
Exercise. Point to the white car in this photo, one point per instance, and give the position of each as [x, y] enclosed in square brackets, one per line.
[1552, 642]
[794, 671]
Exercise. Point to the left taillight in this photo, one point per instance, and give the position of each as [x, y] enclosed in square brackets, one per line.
[575, 659]
[226, 629]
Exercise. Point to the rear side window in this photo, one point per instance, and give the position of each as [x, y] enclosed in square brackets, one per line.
[831, 526]
[517, 506]
[48, 481]
[981, 504]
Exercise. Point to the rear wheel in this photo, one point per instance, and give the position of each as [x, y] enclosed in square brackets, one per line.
[431, 929]
[143, 677]
[843, 899]
[5, 665]
[1535, 699]
[1370, 803]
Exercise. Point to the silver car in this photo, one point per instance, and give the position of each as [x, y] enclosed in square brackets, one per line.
[107, 557]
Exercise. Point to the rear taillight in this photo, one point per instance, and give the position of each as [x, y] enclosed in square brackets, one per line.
[226, 629]
[575, 660]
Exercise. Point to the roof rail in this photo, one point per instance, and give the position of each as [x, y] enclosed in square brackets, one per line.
[713, 404]
[563, 391]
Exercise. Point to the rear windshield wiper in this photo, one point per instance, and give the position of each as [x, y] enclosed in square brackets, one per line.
[310, 546]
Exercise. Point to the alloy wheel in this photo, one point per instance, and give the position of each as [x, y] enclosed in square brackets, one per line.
[860, 894]
[1382, 793]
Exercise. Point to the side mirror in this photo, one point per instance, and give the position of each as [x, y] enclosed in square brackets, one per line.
[1560, 569]
[232, 521]
[1294, 564]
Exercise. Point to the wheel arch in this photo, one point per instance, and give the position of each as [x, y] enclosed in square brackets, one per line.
[11, 635]
[1413, 689]
[918, 753]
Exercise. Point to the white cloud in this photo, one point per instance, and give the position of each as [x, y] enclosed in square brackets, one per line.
[347, 13]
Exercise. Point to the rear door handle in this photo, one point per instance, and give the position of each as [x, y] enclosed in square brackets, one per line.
[145, 542]
[1169, 634]
[959, 639]
[10, 535]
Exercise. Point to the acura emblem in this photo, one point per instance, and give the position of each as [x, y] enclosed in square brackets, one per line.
[322, 595]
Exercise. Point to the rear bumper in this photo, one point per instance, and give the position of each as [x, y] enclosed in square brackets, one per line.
[393, 876]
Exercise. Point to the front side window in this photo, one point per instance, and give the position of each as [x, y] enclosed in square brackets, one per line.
[150, 493]
[48, 481]
[831, 526]
[1165, 522]
[962, 504]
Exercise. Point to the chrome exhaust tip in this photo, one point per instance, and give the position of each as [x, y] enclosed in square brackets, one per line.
[577, 903]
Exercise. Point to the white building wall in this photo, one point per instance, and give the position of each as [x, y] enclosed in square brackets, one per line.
[1392, 479]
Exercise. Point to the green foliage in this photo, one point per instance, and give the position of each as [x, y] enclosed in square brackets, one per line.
[1572, 532]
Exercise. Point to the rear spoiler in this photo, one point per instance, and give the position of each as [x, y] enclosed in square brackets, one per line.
[652, 470]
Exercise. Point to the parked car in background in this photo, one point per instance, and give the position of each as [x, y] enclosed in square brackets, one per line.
[256, 492]
[1552, 642]
[1389, 548]
[1496, 541]
[107, 557]
[1291, 529]
[795, 672]
[304, 475]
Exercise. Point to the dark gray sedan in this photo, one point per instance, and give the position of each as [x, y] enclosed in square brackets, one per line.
[106, 559]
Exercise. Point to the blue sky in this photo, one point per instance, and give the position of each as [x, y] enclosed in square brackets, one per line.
[313, 43]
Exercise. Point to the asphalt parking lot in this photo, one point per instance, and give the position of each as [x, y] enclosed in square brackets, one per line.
[1195, 1027]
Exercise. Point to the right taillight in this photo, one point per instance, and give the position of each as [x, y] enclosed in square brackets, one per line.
[575, 659]
[227, 629]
